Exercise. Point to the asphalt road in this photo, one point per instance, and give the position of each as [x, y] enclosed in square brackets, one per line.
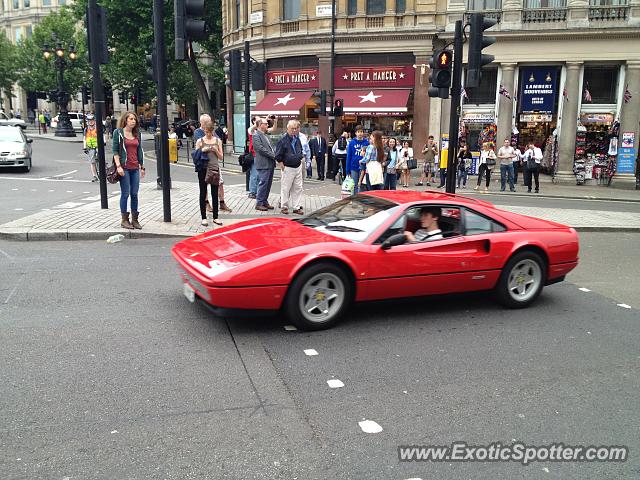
[108, 372]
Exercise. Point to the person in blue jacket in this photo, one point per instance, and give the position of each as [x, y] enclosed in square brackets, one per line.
[355, 155]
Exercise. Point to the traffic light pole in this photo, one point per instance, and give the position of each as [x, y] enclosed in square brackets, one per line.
[332, 93]
[247, 89]
[161, 65]
[98, 97]
[454, 119]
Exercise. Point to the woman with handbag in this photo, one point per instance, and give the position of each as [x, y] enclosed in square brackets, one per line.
[210, 146]
[487, 162]
[391, 175]
[373, 166]
[406, 154]
[129, 161]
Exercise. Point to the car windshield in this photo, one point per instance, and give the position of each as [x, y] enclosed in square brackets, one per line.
[10, 135]
[353, 218]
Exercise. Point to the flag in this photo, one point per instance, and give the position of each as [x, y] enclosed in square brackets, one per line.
[464, 95]
[586, 96]
[627, 95]
[565, 94]
[504, 92]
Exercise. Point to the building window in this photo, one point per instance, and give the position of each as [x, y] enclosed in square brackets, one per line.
[62, 2]
[27, 3]
[602, 83]
[352, 7]
[28, 31]
[16, 4]
[17, 34]
[486, 92]
[480, 5]
[376, 7]
[46, 3]
[608, 3]
[401, 6]
[237, 16]
[533, 4]
[291, 9]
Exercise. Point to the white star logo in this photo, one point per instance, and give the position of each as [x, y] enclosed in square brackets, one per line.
[401, 75]
[369, 97]
[284, 100]
[345, 77]
[313, 77]
[271, 79]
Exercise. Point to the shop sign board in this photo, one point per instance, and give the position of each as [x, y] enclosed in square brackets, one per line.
[539, 89]
[536, 118]
[323, 10]
[374, 77]
[303, 79]
[256, 17]
[627, 153]
[596, 118]
[479, 118]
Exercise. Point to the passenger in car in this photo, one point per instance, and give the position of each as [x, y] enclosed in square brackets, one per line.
[430, 230]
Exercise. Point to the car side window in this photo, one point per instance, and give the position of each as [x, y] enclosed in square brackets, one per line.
[397, 227]
[476, 224]
[449, 221]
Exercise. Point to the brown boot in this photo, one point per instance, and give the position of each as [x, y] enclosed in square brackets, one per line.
[134, 220]
[125, 221]
[224, 207]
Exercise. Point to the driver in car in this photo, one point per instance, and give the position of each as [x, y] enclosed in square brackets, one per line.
[430, 230]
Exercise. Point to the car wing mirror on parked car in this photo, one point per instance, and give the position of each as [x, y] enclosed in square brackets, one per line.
[394, 241]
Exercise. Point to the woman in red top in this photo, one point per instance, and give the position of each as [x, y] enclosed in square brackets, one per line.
[129, 158]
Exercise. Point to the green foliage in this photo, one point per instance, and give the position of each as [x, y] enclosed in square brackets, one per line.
[39, 75]
[8, 67]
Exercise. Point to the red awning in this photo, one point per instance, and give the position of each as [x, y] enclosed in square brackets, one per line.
[375, 101]
[282, 104]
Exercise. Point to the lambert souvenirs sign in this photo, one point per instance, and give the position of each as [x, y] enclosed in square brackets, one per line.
[539, 89]
[292, 79]
[374, 77]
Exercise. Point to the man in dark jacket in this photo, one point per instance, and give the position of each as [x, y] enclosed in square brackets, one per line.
[289, 156]
[318, 146]
[265, 164]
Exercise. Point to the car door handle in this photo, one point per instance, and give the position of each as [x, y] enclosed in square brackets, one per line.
[487, 245]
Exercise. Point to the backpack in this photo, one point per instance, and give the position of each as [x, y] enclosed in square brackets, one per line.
[342, 143]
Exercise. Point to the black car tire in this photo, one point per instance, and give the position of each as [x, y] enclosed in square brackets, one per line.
[27, 167]
[325, 279]
[513, 289]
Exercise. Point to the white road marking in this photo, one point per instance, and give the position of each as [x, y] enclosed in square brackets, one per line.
[624, 305]
[335, 383]
[18, 209]
[6, 254]
[14, 189]
[68, 205]
[64, 174]
[85, 193]
[369, 426]
[92, 199]
[290, 328]
[51, 191]
[584, 289]
[310, 352]
[44, 179]
[69, 191]
[34, 189]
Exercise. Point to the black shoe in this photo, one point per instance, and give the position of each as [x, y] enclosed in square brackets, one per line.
[537, 191]
[529, 191]
[253, 196]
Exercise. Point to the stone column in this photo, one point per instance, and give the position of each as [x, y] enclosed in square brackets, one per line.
[630, 114]
[505, 106]
[634, 13]
[567, 142]
[421, 103]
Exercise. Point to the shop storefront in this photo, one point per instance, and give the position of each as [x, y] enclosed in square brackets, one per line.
[595, 148]
[537, 105]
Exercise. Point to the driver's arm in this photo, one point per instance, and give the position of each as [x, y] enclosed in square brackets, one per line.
[410, 236]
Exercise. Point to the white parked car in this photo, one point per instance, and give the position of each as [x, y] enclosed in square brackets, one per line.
[14, 122]
[15, 148]
[76, 121]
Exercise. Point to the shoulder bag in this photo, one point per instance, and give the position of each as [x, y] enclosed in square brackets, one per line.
[491, 160]
[112, 172]
[412, 163]
[212, 177]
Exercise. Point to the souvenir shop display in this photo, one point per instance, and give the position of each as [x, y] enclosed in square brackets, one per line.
[579, 169]
[488, 134]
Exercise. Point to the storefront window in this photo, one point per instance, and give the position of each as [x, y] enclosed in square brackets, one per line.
[602, 83]
[291, 9]
[480, 5]
[486, 92]
[376, 7]
[352, 7]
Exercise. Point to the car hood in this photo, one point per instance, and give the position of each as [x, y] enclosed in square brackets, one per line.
[244, 242]
[11, 146]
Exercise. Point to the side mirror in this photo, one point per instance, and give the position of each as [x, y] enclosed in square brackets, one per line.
[29, 140]
[394, 241]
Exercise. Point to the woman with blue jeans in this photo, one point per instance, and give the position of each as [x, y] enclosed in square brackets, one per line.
[129, 158]
[390, 175]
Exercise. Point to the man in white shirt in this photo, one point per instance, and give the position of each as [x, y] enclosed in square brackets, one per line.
[429, 222]
[517, 161]
[506, 154]
[533, 160]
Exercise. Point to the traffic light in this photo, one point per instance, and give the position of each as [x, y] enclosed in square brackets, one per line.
[478, 41]
[139, 96]
[187, 27]
[338, 107]
[440, 76]
[101, 33]
[86, 95]
[320, 100]
[122, 97]
[152, 72]
[233, 71]
[257, 76]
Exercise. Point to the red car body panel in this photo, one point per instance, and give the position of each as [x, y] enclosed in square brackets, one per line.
[250, 265]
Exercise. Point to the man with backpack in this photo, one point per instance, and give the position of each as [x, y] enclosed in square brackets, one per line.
[339, 153]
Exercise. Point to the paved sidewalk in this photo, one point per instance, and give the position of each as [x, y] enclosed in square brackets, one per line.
[89, 221]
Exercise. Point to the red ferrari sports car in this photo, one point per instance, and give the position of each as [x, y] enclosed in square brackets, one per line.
[374, 246]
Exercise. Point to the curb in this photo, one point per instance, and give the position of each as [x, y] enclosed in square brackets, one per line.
[33, 235]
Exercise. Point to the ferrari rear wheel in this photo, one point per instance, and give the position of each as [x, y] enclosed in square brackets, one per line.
[522, 280]
[318, 297]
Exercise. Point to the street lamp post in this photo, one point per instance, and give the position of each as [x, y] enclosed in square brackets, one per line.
[64, 127]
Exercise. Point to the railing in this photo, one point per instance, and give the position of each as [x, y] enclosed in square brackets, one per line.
[608, 13]
[351, 23]
[496, 14]
[290, 27]
[374, 22]
[543, 15]
[399, 21]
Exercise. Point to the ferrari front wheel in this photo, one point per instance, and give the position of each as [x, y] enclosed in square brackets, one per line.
[522, 280]
[318, 297]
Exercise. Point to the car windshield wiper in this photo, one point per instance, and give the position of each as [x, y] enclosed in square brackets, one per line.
[342, 228]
